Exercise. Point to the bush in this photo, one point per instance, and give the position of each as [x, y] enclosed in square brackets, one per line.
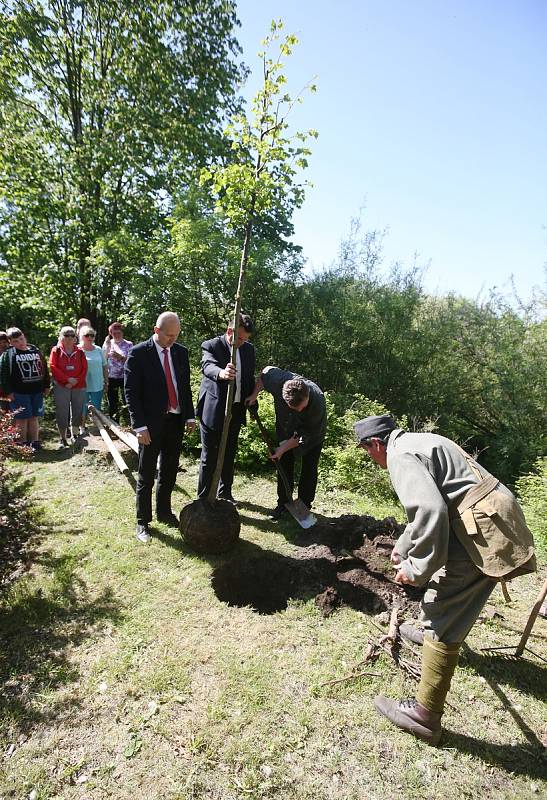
[252, 452]
[343, 465]
[532, 493]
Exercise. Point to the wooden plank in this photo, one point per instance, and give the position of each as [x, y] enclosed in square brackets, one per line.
[116, 455]
[128, 438]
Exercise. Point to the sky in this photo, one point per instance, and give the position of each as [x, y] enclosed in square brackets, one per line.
[432, 120]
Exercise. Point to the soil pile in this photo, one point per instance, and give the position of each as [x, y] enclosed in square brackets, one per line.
[340, 561]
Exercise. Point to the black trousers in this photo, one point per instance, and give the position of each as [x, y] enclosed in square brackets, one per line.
[307, 483]
[166, 444]
[115, 386]
[210, 442]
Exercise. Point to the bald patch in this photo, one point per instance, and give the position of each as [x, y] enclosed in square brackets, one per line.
[166, 318]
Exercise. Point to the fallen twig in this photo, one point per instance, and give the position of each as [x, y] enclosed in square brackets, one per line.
[351, 677]
[371, 655]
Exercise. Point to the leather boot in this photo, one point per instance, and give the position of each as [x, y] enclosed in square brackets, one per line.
[411, 633]
[412, 717]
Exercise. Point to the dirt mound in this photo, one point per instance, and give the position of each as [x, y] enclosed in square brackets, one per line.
[342, 561]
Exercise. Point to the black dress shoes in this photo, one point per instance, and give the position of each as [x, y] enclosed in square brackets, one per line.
[168, 519]
[277, 513]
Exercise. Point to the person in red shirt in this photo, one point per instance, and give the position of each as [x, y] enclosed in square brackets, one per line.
[69, 370]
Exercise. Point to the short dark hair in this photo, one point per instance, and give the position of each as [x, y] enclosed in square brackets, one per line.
[244, 322]
[295, 391]
[14, 333]
[4, 336]
[367, 441]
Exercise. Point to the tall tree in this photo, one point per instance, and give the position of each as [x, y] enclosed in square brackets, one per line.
[260, 182]
[106, 109]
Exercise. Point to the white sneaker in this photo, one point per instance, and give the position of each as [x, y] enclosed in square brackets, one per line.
[143, 534]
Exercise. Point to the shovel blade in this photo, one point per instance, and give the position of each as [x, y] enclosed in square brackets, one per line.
[301, 513]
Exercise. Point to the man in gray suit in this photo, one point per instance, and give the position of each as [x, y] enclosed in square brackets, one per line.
[301, 425]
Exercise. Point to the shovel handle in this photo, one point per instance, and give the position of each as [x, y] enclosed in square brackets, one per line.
[253, 411]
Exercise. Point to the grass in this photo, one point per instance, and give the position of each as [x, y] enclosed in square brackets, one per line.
[123, 675]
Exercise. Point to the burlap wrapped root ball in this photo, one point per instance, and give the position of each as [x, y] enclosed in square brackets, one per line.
[210, 527]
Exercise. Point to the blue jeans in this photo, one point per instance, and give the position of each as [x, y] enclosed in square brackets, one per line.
[95, 398]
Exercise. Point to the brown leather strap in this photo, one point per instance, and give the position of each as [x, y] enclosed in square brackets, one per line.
[476, 493]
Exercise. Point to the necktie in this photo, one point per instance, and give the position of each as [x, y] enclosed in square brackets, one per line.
[171, 393]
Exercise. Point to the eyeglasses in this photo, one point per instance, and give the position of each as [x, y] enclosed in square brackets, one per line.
[69, 335]
[89, 335]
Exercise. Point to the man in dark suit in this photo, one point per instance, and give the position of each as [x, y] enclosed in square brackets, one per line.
[218, 371]
[157, 390]
[301, 426]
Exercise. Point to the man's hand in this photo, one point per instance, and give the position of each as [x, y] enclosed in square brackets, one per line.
[287, 444]
[395, 557]
[190, 425]
[228, 373]
[401, 577]
[143, 437]
[251, 400]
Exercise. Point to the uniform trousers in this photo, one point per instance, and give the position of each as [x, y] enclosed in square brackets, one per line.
[455, 596]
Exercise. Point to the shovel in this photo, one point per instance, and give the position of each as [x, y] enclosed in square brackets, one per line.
[296, 508]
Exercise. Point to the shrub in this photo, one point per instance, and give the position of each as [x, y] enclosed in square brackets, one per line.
[252, 452]
[532, 493]
[343, 465]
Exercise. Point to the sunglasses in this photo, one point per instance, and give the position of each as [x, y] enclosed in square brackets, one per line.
[89, 335]
[69, 335]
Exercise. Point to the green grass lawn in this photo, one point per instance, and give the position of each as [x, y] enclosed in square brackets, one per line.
[124, 676]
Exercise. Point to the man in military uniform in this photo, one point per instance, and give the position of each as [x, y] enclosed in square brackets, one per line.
[465, 532]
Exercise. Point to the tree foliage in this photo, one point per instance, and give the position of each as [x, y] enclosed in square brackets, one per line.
[107, 110]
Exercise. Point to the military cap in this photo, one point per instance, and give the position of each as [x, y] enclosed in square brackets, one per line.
[370, 427]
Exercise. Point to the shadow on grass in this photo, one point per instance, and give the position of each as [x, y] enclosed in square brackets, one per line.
[38, 629]
[528, 677]
[518, 759]
[267, 581]
[525, 675]
[17, 527]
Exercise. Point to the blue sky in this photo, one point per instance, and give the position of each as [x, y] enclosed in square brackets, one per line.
[432, 116]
